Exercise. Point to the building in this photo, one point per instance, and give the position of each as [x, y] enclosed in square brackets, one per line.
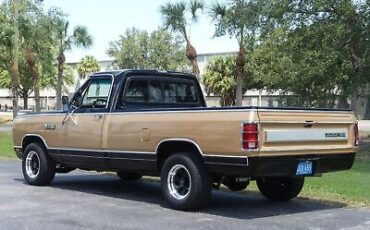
[252, 97]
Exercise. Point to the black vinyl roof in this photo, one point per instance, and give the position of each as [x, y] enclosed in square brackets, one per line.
[122, 72]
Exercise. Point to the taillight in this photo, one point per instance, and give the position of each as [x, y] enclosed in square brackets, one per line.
[250, 136]
[355, 133]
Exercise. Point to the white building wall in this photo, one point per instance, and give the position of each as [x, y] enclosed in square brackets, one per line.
[48, 95]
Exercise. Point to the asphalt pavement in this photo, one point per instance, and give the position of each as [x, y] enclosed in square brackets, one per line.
[88, 200]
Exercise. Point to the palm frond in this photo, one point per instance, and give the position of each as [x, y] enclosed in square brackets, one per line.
[174, 17]
[66, 26]
[217, 10]
[81, 38]
[194, 6]
[67, 43]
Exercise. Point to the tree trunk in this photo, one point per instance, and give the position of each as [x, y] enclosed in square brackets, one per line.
[342, 103]
[354, 103]
[240, 64]
[227, 101]
[25, 101]
[31, 62]
[15, 85]
[367, 109]
[367, 102]
[191, 54]
[36, 91]
[61, 59]
[15, 69]
[36, 88]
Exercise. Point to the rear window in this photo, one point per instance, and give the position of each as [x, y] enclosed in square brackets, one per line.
[137, 92]
[160, 92]
[179, 92]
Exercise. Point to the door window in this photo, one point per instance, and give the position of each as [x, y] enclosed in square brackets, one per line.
[97, 94]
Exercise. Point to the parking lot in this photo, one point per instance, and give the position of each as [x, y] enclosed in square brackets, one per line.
[87, 200]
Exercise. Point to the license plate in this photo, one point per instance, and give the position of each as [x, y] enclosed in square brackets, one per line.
[304, 168]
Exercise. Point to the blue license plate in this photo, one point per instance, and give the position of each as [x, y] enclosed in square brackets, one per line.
[304, 168]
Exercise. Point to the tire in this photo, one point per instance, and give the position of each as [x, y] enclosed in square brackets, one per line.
[127, 176]
[280, 188]
[37, 166]
[233, 185]
[185, 183]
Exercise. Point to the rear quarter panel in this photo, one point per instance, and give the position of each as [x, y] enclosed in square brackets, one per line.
[216, 133]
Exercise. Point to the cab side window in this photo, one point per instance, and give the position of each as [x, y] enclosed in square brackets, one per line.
[154, 93]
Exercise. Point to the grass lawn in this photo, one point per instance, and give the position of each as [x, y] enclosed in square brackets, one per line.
[6, 146]
[350, 187]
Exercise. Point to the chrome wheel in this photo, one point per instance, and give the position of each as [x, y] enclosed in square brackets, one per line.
[32, 164]
[179, 182]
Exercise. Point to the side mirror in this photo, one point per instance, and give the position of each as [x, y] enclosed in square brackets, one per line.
[65, 103]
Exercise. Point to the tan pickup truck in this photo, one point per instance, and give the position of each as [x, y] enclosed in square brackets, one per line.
[143, 122]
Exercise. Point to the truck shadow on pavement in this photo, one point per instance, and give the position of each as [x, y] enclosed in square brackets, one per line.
[249, 205]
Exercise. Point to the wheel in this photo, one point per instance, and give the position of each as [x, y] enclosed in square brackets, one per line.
[234, 185]
[37, 166]
[127, 176]
[185, 183]
[280, 188]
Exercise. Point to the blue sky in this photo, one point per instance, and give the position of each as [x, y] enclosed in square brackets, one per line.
[107, 19]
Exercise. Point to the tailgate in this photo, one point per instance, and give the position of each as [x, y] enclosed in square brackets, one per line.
[306, 132]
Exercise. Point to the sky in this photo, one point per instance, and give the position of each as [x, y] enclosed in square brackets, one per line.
[107, 19]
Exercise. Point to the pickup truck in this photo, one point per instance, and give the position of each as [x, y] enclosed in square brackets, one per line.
[156, 123]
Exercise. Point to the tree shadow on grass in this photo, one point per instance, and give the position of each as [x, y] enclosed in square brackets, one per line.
[246, 205]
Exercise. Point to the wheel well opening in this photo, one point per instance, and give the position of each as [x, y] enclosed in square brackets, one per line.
[32, 139]
[169, 148]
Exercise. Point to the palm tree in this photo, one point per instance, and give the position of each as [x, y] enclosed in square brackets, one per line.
[240, 20]
[37, 44]
[78, 38]
[175, 19]
[15, 68]
[88, 65]
[36, 39]
[30, 58]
